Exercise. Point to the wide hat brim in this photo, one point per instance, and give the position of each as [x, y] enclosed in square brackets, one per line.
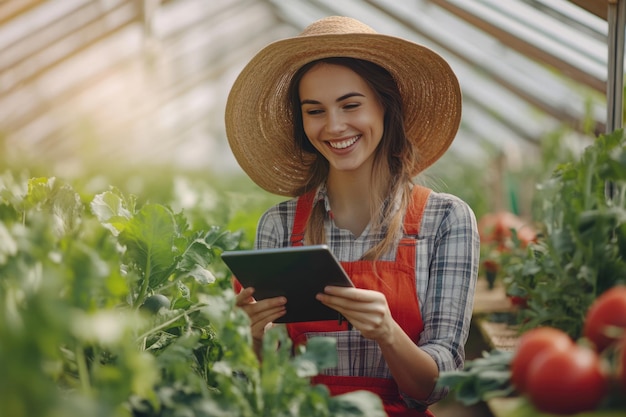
[258, 118]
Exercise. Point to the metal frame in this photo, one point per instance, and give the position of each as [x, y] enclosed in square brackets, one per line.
[616, 17]
[533, 67]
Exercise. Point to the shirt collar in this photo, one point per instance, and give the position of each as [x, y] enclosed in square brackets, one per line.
[322, 196]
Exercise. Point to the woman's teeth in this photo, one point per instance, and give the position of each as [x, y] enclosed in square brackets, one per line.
[344, 143]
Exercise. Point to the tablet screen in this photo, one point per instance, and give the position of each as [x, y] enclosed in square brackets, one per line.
[298, 273]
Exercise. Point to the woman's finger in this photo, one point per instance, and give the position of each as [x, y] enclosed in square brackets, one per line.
[261, 313]
[260, 322]
[355, 294]
[257, 314]
[269, 303]
[244, 297]
[359, 300]
[366, 310]
[267, 316]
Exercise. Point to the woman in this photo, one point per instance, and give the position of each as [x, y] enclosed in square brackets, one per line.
[342, 119]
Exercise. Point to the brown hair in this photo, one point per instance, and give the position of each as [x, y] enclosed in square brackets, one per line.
[395, 159]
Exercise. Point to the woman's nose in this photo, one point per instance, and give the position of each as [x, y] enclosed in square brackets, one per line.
[335, 122]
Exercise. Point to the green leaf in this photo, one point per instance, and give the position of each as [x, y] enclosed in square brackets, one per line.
[39, 190]
[482, 378]
[201, 253]
[201, 275]
[467, 393]
[113, 210]
[197, 254]
[357, 403]
[60, 201]
[149, 238]
[67, 209]
[12, 192]
[320, 353]
[225, 240]
[8, 245]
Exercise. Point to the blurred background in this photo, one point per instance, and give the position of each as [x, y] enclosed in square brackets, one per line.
[119, 86]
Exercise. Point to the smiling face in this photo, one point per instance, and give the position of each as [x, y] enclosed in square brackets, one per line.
[342, 116]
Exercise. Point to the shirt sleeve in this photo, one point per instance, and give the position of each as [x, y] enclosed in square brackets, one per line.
[449, 299]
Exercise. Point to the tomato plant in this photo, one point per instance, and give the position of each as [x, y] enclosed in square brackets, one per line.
[579, 255]
[497, 228]
[566, 381]
[605, 322]
[501, 232]
[532, 344]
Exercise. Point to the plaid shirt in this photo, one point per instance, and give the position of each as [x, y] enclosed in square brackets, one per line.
[446, 271]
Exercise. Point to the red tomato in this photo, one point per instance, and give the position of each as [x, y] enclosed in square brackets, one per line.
[609, 309]
[491, 265]
[526, 234]
[566, 382]
[530, 345]
[518, 301]
[496, 228]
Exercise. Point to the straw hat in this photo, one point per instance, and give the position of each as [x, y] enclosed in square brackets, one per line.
[258, 123]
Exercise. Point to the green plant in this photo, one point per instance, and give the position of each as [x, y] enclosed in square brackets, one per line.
[81, 333]
[580, 252]
[481, 379]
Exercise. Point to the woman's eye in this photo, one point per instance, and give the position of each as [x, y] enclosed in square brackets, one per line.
[313, 112]
[351, 106]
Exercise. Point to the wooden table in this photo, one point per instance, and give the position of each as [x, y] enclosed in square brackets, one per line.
[489, 303]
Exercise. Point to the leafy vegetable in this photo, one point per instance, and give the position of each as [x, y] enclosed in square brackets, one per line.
[74, 340]
[481, 379]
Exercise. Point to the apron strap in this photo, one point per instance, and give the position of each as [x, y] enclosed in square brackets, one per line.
[415, 211]
[303, 212]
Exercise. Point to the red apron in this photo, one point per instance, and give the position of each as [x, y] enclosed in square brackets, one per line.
[396, 280]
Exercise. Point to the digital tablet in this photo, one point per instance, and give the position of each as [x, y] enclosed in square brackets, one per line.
[298, 273]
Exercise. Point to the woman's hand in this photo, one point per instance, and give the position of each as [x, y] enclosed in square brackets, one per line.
[366, 310]
[262, 313]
